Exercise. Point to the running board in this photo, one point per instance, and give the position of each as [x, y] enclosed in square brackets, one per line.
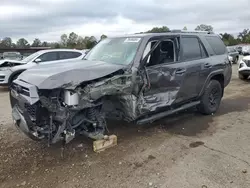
[160, 115]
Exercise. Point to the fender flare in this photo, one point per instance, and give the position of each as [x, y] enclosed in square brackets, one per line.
[213, 73]
[15, 73]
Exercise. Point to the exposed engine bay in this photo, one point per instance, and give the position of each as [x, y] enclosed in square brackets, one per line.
[61, 114]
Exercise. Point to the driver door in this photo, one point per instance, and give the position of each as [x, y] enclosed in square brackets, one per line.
[168, 75]
[165, 74]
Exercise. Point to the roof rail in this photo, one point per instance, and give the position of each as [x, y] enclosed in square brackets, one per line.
[185, 31]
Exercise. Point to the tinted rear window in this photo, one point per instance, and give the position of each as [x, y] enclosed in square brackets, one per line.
[191, 48]
[217, 45]
[69, 55]
[49, 56]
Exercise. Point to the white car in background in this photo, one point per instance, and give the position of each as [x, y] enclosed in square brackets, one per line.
[12, 55]
[244, 68]
[246, 50]
[10, 69]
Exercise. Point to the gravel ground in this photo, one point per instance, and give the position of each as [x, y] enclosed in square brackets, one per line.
[184, 151]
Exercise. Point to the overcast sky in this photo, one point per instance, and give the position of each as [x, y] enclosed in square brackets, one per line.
[48, 19]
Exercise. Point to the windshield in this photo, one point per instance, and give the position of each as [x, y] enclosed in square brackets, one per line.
[30, 57]
[116, 50]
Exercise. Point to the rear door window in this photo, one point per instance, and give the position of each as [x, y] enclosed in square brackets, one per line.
[191, 48]
[69, 55]
[216, 44]
[49, 56]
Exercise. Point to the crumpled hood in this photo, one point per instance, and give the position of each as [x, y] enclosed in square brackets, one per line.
[67, 75]
[11, 61]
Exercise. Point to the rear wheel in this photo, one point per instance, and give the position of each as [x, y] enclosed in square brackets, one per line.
[242, 77]
[211, 98]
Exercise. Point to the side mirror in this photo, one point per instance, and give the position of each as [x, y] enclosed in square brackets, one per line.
[230, 58]
[37, 60]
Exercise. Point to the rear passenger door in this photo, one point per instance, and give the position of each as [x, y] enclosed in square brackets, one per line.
[218, 56]
[194, 58]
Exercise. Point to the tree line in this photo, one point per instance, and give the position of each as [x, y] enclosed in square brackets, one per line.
[66, 41]
[74, 40]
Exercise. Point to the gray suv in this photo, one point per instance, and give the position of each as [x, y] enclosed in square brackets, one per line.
[137, 78]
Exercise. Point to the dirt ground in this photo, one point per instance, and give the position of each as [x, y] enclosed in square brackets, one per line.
[184, 151]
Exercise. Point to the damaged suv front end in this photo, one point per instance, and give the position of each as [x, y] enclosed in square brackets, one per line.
[58, 102]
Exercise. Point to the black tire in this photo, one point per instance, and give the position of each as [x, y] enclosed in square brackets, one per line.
[242, 77]
[211, 98]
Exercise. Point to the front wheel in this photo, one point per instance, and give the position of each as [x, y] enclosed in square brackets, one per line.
[211, 98]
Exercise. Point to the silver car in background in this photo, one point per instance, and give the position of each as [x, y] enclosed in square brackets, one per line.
[10, 69]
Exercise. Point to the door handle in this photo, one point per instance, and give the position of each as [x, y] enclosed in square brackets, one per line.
[207, 65]
[180, 71]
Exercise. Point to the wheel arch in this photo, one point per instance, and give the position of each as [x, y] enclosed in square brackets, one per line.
[215, 75]
[14, 74]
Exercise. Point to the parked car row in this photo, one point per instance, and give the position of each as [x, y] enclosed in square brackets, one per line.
[137, 78]
[244, 64]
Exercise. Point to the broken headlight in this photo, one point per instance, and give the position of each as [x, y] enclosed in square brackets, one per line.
[71, 98]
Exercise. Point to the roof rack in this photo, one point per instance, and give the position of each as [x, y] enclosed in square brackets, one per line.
[185, 31]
